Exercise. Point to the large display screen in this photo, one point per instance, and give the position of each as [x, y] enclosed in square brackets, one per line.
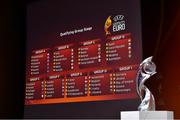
[81, 53]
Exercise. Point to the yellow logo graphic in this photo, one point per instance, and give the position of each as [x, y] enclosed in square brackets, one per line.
[107, 25]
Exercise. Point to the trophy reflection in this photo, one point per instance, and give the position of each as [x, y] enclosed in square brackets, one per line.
[146, 69]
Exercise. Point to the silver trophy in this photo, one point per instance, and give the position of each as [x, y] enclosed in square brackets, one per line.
[147, 107]
[146, 69]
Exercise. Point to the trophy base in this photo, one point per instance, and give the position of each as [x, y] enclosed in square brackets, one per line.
[147, 115]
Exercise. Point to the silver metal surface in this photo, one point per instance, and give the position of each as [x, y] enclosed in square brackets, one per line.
[146, 69]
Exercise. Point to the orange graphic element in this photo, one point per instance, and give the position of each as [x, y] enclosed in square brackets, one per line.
[107, 25]
[82, 99]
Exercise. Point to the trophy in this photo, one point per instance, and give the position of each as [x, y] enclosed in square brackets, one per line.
[146, 109]
[146, 69]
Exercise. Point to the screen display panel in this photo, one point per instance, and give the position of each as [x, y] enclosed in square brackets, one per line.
[82, 54]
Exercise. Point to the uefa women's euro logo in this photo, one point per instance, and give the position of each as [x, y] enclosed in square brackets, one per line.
[114, 24]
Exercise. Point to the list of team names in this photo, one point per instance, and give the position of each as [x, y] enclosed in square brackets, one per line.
[63, 58]
[100, 82]
[39, 62]
[89, 53]
[118, 48]
[85, 69]
[76, 84]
